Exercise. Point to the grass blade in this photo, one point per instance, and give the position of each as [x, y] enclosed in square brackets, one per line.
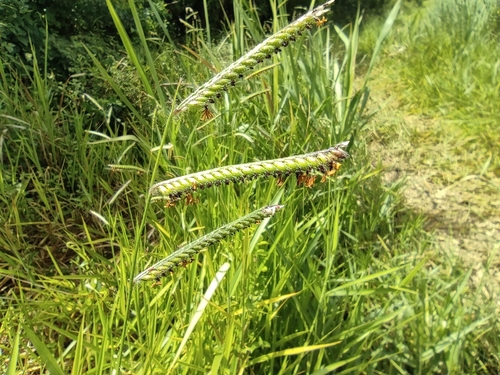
[200, 310]
[389, 22]
[44, 353]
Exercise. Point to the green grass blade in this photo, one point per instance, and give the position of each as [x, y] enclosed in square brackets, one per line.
[78, 363]
[389, 22]
[413, 273]
[44, 353]
[115, 87]
[292, 351]
[127, 43]
[199, 311]
[363, 280]
[453, 339]
[333, 366]
[14, 354]
[152, 69]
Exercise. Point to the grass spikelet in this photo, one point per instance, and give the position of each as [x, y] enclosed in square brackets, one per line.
[185, 255]
[208, 92]
[326, 162]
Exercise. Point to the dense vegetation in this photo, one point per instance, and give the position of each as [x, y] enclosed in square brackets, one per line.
[344, 279]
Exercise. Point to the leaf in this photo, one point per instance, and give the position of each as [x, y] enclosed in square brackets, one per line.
[127, 43]
[383, 34]
[453, 339]
[362, 280]
[333, 366]
[11, 370]
[291, 351]
[200, 310]
[44, 353]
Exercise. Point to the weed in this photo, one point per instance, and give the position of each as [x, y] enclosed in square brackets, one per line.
[213, 89]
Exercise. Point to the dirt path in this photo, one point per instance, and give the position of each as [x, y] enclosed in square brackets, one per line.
[459, 201]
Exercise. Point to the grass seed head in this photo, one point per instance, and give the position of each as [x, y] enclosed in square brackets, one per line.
[326, 162]
[209, 91]
[185, 255]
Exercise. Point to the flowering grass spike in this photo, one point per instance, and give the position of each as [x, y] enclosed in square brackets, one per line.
[213, 89]
[326, 162]
[186, 254]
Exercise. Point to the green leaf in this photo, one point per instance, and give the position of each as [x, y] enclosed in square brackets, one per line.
[127, 43]
[363, 280]
[44, 353]
[292, 351]
[333, 366]
[11, 370]
[453, 339]
[389, 22]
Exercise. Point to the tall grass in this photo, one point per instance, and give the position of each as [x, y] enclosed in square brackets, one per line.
[447, 65]
[455, 39]
[340, 282]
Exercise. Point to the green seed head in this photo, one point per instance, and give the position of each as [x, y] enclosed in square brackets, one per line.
[186, 254]
[272, 44]
[325, 162]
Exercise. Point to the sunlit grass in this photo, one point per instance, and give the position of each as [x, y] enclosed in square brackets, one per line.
[436, 88]
[340, 280]
[446, 64]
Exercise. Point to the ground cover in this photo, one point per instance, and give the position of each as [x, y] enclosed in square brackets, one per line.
[438, 129]
[345, 278]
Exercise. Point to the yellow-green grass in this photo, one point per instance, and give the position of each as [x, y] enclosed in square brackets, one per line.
[339, 281]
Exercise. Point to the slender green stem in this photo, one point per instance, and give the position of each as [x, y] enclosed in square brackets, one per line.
[186, 254]
[326, 162]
